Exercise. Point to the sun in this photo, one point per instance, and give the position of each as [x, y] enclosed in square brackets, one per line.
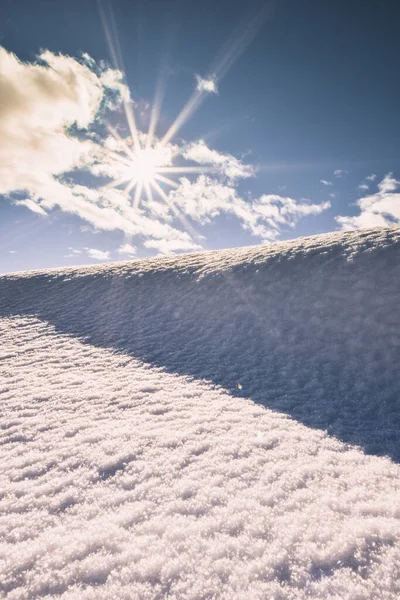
[146, 165]
[144, 168]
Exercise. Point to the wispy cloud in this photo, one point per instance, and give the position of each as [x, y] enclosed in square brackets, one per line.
[228, 165]
[91, 252]
[364, 185]
[33, 206]
[380, 209]
[127, 249]
[73, 252]
[171, 246]
[325, 182]
[98, 254]
[206, 85]
[340, 172]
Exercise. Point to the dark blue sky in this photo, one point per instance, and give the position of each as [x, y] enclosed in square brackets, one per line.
[317, 90]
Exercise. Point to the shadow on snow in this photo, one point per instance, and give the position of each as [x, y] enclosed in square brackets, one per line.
[316, 336]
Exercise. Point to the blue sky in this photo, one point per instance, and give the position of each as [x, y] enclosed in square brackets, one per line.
[294, 127]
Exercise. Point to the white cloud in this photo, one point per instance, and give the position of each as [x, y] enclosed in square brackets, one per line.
[265, 217]
[12, 252]
[371, 177]
[363, 186]
[112, 79]
[377, 210]
[204, 198]
[340, 172]
[206, 85]
[274, 212]
[171, 246]
[127, 249]
[325, 182]
[98, 254]
[332, 195]
[388, 184]
[228, 165]
[33, 206]
[39, 103]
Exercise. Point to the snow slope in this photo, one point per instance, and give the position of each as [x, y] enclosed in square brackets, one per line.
[132, 466]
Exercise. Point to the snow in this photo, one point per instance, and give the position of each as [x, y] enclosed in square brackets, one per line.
[133, 466]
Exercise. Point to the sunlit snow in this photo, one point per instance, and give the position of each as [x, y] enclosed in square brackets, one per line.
[220, 425]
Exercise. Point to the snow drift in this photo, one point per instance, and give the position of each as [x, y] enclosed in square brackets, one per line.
[225, 425]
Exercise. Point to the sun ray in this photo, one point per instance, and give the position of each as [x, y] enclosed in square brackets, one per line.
[187, 111]
[205, 169]
[114, 183]
[161, 86]
[155, 113]
[138, 192]
[239, 40]
[121, 140]
[130, 186]
[132, 124]
[115, 52]
[167, 180]
[120, 158]
[147, 188]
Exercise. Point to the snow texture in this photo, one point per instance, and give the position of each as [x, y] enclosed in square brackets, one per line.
[132, 464]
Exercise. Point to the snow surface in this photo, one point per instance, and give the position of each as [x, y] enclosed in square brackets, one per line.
[132, 466]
